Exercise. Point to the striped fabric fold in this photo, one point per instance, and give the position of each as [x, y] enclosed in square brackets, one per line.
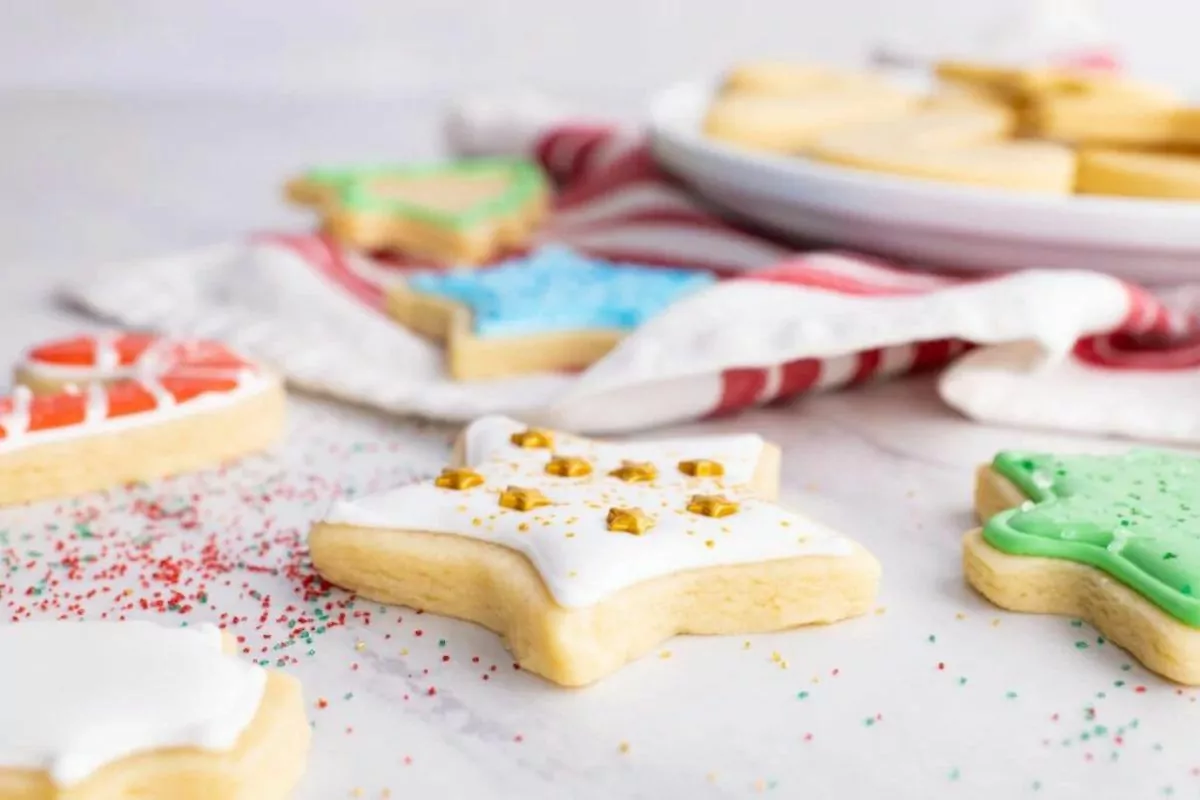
[778, 323]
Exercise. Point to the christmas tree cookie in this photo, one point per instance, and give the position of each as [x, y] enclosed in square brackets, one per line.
[585, 555]
[465, 212]
[124, 710]
[1112, 539]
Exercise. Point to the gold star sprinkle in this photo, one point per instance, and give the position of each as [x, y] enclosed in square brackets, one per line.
[712, 505]
[629, 520]
[521, 499]
[635, 471]
[532, 438]
[568, 467]
[458, 479]
[702, 468]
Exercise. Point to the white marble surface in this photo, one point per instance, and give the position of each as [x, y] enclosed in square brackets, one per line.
[935, 695]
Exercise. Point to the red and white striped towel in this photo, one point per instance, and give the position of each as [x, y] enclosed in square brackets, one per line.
[778, 325]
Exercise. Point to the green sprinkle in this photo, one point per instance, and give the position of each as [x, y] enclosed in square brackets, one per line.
[348, 696]
[441, 642]
[932, 638]
[1037, 785]
[1011, 695]
[1076, 623]
[962, 681]
[801, 695]
[869, 721]
[955, 774]
[1081, 645]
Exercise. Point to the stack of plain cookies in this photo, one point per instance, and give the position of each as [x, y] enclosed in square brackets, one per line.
[1040, 130]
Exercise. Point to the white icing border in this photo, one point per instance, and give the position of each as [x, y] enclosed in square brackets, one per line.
[77, 696]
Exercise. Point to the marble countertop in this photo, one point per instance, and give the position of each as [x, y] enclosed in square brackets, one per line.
[935, 694]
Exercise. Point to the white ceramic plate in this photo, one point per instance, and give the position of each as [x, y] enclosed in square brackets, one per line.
[968, 228]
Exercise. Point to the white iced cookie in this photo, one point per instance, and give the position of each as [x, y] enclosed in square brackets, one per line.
[116, 710]
[584, 555]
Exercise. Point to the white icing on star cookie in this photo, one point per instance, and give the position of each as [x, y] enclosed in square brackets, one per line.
[580, 560]
[76, 696]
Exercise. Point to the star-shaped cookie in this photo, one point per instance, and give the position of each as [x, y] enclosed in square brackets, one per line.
[464, 212]
[1112, 539]
[553, 309]
[583, 570]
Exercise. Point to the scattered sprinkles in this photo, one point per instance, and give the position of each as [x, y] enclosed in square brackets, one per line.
[228, 546]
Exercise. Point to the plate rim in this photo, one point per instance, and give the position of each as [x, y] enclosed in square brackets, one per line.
[675, 136]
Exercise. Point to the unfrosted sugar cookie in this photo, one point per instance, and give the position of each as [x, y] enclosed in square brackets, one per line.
[1091, 121]
[1131, 174]
[789, 124]
[95, 411]
[553, 310]
[788, 78]
[463, 212]
[1019, 86]
[1112, 539]
[585, 555]
[964, 146]
[125, 710]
